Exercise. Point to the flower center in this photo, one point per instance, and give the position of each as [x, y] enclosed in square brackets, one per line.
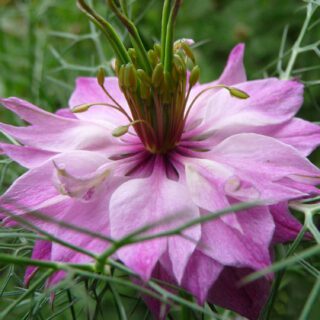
[158, 101]
[155, 82]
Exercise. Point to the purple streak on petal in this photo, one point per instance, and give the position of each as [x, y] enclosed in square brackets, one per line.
[142, 202]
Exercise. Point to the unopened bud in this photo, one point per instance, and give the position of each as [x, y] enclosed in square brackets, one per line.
[194, 76]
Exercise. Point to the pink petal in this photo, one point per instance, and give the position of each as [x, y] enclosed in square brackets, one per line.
[66, 113]
[35, 189]
[271, 102]
[41, 251]
[55, 133]
[247, 300]
[272, 161]
[28, 157]
[234, 71]
[88, 91]
[92, 215]
[287, 226]
[229, 246]
[200, 274]
[132, 208]
[301, 134]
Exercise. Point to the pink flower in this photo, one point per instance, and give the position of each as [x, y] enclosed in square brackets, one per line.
[227, 150]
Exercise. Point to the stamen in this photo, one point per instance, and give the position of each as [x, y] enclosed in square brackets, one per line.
[86, 106]
[234, 92]
[122, 130]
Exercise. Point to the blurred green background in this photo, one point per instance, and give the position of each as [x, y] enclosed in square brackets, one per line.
[46, 44]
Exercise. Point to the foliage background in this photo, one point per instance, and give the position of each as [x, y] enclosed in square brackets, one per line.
[46, 44]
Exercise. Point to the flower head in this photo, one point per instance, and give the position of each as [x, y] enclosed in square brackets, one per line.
[153, 147]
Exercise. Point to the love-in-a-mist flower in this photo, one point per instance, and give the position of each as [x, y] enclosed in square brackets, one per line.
[152, 143]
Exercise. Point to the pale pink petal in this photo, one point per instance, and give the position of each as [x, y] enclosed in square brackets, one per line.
[92, 215]
[54, 133]
[88, 91]
[142, 202]
[36, 190]
[232, 247]
[272, 161]
[234, 71]
[29, 112]
[28, 157]
[301, 134]
[66, 113]
[248, 300]
[271, 102]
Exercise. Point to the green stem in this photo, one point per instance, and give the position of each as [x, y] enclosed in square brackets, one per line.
[50, 237]
[269, 306]
[117, 45]
[169, 37]
[24, 261]
[305, 314]
[124, 6]
[31, 289]
[164, 24]
[296, 46]
[134, 36]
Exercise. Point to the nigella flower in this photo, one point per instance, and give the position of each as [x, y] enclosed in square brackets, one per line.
[145, 146]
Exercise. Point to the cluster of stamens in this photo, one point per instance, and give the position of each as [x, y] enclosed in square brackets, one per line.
[157, 101]
[156, 83]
